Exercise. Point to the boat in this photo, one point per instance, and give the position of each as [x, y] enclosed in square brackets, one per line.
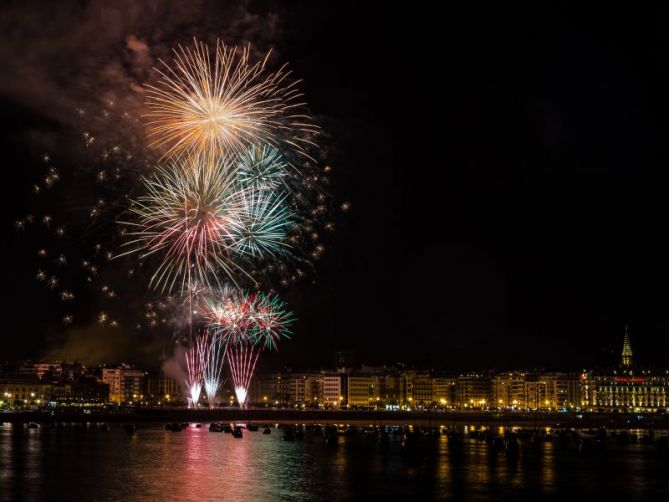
[267, 430]
[252, 427]
[227, 428]
[214, 427]
[237, 432]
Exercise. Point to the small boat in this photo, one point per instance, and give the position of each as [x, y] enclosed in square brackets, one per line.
[267, 430]
[197, 426]
[214, 427]
[237, 432]
[252, 427]
[33, 425]
[227, 428]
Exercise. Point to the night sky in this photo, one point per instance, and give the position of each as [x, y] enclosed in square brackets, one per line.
[507, 173]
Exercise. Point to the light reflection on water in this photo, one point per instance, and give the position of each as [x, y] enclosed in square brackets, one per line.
[79, 463]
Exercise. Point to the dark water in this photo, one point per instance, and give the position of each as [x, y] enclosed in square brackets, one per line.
[79, 463]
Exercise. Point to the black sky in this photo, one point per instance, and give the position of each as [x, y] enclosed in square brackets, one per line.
[507, 170]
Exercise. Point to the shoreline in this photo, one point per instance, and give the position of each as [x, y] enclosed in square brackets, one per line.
[273, 416]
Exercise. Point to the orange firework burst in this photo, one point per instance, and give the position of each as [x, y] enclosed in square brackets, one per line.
[218, 102]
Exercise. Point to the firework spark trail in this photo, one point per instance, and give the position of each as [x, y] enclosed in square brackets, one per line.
[196, 357]
[242, 362]
[214, 367]
[212, 102]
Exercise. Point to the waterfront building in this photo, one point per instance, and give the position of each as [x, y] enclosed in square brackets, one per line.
[443, 390]
[162, 389]
[643, 391]
[540, 392]
[334, 390]
[362, 391]
[509, 390]
[626, 388]
[126, 384]
[423, 395]
[473, 390]
[389, 389]
[23, 389]
[567, 387]
[406, 388]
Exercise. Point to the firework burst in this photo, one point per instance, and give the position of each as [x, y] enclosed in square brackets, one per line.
[187, 217]
[264, 223]
[249, 324]
[212, 102]
[262, 168]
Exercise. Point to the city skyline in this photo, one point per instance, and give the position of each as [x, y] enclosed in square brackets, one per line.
[345, 386]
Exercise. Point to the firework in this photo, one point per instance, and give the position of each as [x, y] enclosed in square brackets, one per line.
[242, 359]
[213, 368]
[249, 324]
[196, 357]
[188, 217]
[212, 102]
[262, 168]
[264, 222]
[271, 320]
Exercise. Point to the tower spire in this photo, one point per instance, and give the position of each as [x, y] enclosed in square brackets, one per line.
[627, 350]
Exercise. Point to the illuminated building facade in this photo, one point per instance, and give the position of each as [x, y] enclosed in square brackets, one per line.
[362, 391]
[626, 389]
[422, 390]
[23, 390]
[126, 384]
[443, 391]
[508, 390]
[473, 391]
[160, 388]
[333, 390]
